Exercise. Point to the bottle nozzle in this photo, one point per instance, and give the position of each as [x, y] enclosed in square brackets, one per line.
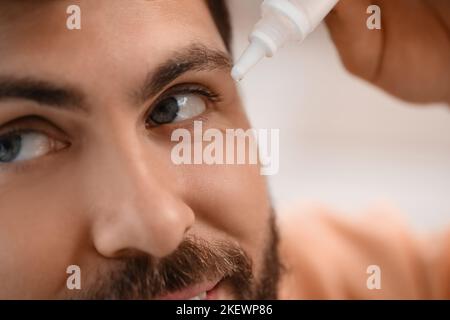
[281, 21]
[251, 56]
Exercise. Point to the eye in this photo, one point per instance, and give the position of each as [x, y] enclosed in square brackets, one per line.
[177, 108]
[27, 145]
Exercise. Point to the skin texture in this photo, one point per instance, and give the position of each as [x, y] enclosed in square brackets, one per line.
[113, 192]
[409, 57]
[110, 192]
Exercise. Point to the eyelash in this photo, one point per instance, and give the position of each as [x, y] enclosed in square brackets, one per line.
[195, 89]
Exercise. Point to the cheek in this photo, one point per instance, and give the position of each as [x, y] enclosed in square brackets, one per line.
[231, 201]
[38, 235]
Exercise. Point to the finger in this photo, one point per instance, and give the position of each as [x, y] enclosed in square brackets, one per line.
[360, 49]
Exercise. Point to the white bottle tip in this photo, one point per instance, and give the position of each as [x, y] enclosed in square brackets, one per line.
[237, 73]
[251, 56]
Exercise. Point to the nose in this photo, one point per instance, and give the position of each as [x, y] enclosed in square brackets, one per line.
[133, 205]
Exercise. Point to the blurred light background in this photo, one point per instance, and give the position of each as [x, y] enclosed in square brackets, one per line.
[344, 143]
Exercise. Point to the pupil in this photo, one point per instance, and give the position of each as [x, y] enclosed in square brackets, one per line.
[10, 148]
[165, 112]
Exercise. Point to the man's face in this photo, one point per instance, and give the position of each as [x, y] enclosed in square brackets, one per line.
[86, 176]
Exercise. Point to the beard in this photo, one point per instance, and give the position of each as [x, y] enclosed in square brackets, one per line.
[195, 260]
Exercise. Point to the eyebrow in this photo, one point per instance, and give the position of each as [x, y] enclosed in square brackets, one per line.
[40, 91]
[196, 57]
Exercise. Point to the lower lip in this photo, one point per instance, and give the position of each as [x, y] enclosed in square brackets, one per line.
[213, 294]
[209, 287]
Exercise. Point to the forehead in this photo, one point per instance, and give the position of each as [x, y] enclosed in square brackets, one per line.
[114, 34]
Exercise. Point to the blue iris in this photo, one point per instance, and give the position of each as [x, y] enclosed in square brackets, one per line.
[10, 147]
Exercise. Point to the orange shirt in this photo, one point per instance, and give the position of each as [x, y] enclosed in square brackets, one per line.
[326, 256]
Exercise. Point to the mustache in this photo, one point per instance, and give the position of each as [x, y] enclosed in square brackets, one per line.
[194, 261]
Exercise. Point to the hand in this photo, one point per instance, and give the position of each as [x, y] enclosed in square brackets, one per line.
[409, 57]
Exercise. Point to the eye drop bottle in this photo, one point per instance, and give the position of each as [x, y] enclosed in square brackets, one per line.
[282, 21]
